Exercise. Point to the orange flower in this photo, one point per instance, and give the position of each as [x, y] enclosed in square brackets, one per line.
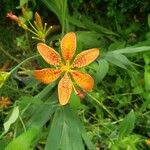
[68, 47]
[4, 102]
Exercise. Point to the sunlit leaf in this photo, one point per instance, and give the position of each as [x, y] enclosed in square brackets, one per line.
[24, 141]
[12, 118]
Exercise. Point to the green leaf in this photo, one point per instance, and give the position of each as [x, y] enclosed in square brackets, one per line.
[75, 101]
[59, 8]
[119, 60]
[96, 27]
[52, 6]
[42, 113]
[89, 39]
[21, 3]
[24, 141]
[132, 50]
[13, 117]
[3, 143]
[46, 91]
[87, 141]
[76, 22]
[101, 70]
[127, 125]
[117, 44]
[65, 131]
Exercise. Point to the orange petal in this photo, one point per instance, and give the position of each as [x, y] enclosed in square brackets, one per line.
[64, 90]
[47, 75]
[68, 45]
[84, 80]
[86, 57]
[49, 54]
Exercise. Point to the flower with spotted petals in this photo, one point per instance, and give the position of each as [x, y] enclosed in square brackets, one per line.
[68, 68]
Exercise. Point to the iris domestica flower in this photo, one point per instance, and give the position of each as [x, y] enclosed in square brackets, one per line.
[68, 69]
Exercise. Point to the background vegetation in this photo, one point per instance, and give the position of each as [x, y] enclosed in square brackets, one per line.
[116, 115]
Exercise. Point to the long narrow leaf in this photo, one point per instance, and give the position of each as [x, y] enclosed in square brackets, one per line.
[119, 60]
[132, 50]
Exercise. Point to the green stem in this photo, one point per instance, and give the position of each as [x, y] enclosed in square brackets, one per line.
[10, 56]
[27, 38]
[23, 125]
[33, 27]
[15, 68]
[101, 105]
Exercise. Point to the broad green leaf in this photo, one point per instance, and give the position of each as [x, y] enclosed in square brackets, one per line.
[24, 141]
[89, 39]
[3, 77]
[13, 117]
[52, 6]
[119, 60]
[56, 131]
[75, 125]
[65, 131]
[101, 70]
[42, 112]
[75, 101]
[132, 50]
[127, 125]
[59, 8]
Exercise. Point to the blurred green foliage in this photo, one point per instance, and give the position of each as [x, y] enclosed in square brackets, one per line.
[115, 115]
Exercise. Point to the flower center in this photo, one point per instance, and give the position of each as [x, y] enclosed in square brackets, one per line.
[67, 67]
